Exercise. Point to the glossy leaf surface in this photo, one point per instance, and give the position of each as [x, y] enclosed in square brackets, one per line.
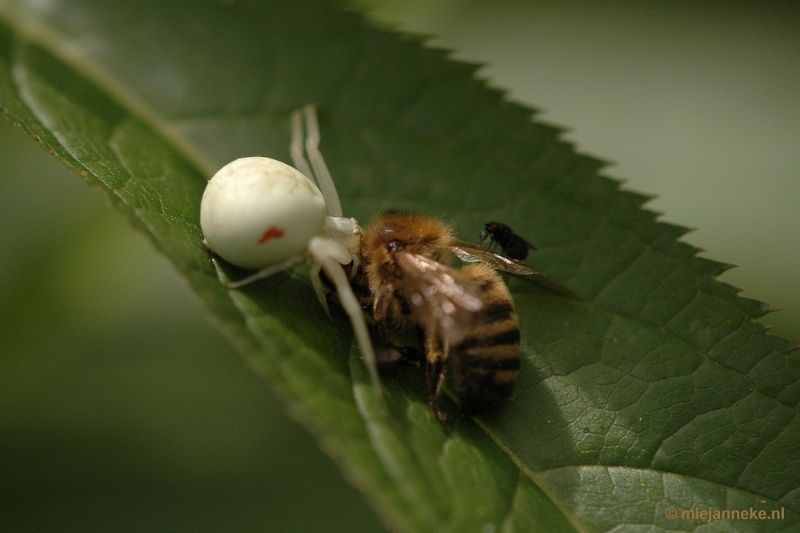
[656, 391]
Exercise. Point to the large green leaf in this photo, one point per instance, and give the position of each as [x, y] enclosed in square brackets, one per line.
[655, 392]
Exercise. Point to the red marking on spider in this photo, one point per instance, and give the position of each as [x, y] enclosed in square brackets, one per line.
[271, 233]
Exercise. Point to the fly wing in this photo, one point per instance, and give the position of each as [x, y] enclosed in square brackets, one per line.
[442, 299]
[470, 253]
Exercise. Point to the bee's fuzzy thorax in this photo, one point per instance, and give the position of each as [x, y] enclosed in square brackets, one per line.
[414, 233]
[412, 229]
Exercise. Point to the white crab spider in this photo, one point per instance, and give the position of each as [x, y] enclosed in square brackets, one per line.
[259, 213]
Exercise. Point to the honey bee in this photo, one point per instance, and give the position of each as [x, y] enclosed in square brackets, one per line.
[466, 315]
[512, 244]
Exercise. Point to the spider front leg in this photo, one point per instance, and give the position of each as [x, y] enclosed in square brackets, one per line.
[331, 255]
[320, 174]
[345, 231]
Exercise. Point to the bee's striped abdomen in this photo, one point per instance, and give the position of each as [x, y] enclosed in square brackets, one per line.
[486, 361]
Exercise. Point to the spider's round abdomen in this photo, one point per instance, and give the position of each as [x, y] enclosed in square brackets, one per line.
[258, 211]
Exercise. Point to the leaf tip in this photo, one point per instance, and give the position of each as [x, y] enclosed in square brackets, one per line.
[762, 309]
[724, 267]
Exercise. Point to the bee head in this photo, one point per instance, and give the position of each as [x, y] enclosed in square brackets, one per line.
[395, 245]
[396, 231]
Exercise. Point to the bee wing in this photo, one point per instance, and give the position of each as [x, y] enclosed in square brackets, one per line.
[442, 299]
[470, 253]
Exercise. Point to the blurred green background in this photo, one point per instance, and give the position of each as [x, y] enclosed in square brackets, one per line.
[106, 418]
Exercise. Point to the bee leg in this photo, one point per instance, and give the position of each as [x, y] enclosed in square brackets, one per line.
[391, 359]
[435, 371]
[423, 339]
[379, 309]
[435, 358]
[383, 328]
[397, 355]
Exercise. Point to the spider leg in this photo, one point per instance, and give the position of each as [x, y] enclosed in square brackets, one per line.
[356, 264]
[296, 146]
[346, 232]
[316, 282]
[332, 255]
[266, 272]
[323, 175]
[343, 230]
